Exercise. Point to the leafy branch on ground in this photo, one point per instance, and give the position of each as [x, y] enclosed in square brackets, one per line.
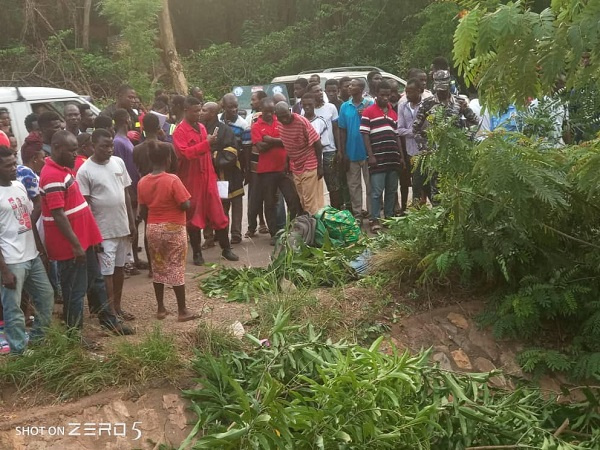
[302, 391]
[305, 267]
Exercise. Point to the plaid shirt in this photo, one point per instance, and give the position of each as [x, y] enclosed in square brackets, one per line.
[451, 109]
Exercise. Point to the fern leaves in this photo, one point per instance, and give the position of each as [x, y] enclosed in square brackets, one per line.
[513, 54]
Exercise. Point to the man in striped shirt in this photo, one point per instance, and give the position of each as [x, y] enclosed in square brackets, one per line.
[72, 236]
[378, 127]
[304, 149]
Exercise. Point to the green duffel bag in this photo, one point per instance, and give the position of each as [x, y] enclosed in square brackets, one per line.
[341, 225]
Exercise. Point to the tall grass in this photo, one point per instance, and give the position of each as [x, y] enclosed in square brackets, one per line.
[60, 366]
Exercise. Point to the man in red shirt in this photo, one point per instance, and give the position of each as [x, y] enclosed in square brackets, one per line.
[71, 235]
[193, 147]
[304, 149]
[271, 166]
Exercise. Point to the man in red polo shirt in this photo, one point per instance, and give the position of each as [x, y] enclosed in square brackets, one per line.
[271, 166]
[71, 234]
[304, 149]
[193, 147]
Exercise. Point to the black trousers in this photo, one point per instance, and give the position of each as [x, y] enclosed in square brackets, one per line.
[268, 185]
[255, 203]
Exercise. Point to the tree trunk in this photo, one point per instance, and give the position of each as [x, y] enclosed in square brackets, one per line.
[170, 56]
[85, 33]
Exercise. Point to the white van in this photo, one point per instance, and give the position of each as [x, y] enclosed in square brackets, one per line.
[22, 101]
[336, 73]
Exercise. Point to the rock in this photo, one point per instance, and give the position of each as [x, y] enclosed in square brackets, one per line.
[436, 332]
[149, 420]
[461, 359]
[458, 320]
[442, 360]
[500, 382]
[450, 329]
[287, 286]
[509, 365]
[484, 365]
[176, 409]
[237, 329]
[441, 348]
[549, 386]
[462, 341]
[485, 342]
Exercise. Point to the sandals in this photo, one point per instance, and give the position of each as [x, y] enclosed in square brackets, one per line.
[124, 315]
[375, 227]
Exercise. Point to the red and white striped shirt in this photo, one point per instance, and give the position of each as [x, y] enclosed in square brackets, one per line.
[299, 138]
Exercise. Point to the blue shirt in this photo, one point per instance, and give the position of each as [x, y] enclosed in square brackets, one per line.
[30, 180]
[349, 120]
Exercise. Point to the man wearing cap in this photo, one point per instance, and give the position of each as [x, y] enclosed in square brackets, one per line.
[453, 107]
[442, 98]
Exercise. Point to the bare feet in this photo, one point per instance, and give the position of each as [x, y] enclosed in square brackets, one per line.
[161, 315]
[186, 316]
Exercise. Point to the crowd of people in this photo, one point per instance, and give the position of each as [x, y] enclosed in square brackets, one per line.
[72, 212]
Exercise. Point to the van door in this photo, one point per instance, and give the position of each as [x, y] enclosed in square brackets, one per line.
[18, 111]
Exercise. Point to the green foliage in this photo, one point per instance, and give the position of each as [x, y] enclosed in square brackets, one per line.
[302, 392]
[517, 218]
[213, 339]
[154, 358]
[431, 38]
[61, 366]
[136, 51]
[305, 267]
[392, 35]
[540, 360]
[513, 53]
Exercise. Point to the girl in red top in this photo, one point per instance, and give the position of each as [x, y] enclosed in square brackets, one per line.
[163, 202]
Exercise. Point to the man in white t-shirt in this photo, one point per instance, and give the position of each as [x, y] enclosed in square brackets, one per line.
[329, 113]
[21, 266]
[103, 181]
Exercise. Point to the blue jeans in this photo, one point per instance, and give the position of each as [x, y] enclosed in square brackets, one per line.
[76, 279]
[32, 277]
[380, 182]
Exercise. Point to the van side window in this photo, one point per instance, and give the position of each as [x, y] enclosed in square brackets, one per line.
[52, 105]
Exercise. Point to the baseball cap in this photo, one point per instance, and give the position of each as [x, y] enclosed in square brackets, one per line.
[441, 80]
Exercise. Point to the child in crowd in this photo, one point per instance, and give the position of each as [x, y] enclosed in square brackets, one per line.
[163, 200]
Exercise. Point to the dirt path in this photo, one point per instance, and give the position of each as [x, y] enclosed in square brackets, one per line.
[111, 416]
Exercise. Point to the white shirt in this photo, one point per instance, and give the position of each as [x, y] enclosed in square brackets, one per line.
[484, 119]
[16, 234]
[329, 113]
[320, 126]
[105, 185]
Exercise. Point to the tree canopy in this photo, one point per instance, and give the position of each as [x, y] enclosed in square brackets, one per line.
[513, 53]
[222, 43]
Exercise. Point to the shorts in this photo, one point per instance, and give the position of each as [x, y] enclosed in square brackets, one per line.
[331, 171]
[114, 254]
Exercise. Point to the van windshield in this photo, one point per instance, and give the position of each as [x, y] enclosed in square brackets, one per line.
[243, 93]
